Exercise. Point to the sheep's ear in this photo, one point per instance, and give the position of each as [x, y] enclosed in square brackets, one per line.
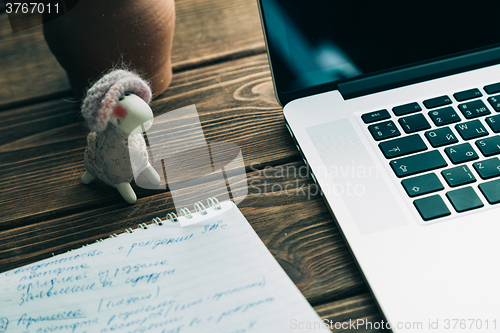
[120, 112]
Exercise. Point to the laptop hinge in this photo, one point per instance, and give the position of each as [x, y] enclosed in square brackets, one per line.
[428, 71]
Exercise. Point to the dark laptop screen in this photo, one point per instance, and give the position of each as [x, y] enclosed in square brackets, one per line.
[318, 41]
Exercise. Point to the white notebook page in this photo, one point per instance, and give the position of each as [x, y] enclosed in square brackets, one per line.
[212, 276]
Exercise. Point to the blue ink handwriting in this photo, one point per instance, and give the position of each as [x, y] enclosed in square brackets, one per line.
[154, 243]
[26, 320]
[219, 225]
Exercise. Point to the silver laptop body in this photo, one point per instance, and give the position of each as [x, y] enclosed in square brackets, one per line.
[422, 222]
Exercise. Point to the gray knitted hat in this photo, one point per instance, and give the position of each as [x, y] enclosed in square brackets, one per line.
[103, 96]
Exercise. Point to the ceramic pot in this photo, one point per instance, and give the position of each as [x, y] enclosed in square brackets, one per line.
[97, 35]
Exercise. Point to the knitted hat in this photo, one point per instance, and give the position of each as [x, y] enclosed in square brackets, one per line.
[103, 96]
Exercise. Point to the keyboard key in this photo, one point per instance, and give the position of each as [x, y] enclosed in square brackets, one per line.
[492, 88]
[464, 199]
[461, 153]
[437, 101]
[474, 109]
[467, 94]
[406, 109]
[421, 185]
[441, 137]
[472, 129]
[491, 191]
[489, 146]
[374, 116]
[488, 168]
[384, 130]
[444, 116]
[414, 123]
[495, 102]
[431, 207]
[458, 176]
[402, 146]
[494, 123]
[414, 164]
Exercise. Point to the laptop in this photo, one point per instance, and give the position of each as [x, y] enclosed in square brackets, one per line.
[394, 107]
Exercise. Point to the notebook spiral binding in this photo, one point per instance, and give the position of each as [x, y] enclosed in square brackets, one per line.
[199, 208]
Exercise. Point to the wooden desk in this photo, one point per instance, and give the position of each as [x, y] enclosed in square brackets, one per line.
[220, 65]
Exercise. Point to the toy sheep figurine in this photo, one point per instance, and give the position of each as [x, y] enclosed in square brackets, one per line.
[116, 111]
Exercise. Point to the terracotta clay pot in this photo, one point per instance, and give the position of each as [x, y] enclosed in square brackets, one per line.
[97, 35]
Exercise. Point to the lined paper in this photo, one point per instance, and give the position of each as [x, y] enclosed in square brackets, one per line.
[212, 276]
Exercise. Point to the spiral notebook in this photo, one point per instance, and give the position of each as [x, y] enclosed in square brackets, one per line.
[213, 274]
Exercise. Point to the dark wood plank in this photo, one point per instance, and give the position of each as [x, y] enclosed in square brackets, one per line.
[47, 210]
[353, 314]
[206, 32]
[210, 30]
[28, 69]
[294, 224]
[41, 146]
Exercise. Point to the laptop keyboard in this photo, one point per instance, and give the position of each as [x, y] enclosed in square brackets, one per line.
[465, 136]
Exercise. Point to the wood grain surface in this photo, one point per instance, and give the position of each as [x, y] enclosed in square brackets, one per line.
[42, 156]
[42, 161]
[346, 314]
[293, 223]
[206, 32]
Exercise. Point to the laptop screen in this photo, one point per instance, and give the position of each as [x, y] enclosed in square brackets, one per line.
[323, 41]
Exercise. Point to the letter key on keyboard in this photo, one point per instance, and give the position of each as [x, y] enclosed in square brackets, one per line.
[441, 137]
[489, 146]
[470, 130]
[494, 123]
[461, 153]
[488, 168]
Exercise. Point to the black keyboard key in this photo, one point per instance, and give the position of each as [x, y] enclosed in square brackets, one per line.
[495, 102]
[488, 168]
[431, 207]
[421, 185]
[406, 109]
[374, 116]
[384, 130]
[491, 191]
[414, 164]
[441, 137]
[492, 88]
[467, 94]
[402, 146]
[461, 153]
[437, 101]
[472, 129]
[464, 199]
[414, 123]
[444, 116]
[489, 146]
[458, 176]
[494, 123]
[474, 109]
